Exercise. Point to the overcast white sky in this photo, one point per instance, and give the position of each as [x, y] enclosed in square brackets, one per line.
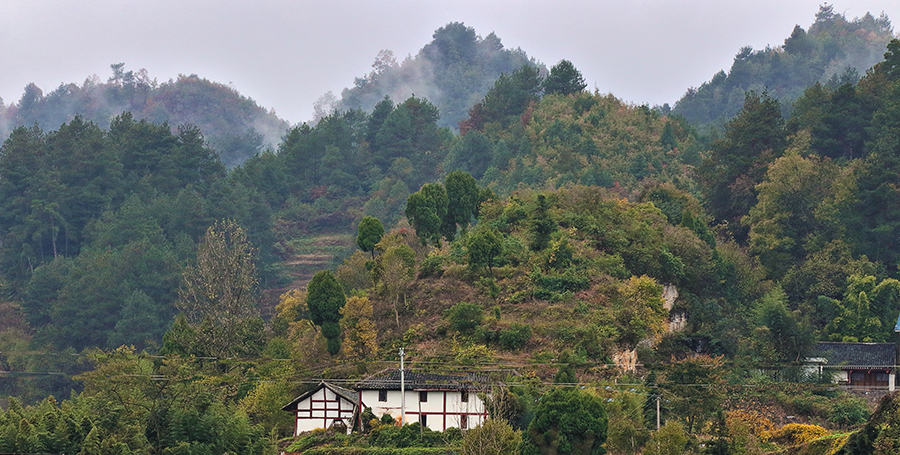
[286, 54]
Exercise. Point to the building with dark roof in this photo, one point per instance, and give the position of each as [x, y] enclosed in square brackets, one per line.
[323, 407]
[436, 401]
[858, 364]
[390, 380]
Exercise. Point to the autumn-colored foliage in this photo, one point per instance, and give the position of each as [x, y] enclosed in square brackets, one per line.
[757, 423]
[794, 433]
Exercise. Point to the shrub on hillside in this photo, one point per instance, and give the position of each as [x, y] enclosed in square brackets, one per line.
[849, 411]
[515, 336]
[794, 433]
[756, 423]
[464, 317]
[431, 266]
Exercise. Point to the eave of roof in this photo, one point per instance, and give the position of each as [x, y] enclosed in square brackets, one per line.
[347, 394]
[863, 355]
[390, 380]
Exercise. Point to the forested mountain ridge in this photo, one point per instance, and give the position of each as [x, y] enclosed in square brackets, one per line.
[453, 72]
[834, 50]
[234, 125]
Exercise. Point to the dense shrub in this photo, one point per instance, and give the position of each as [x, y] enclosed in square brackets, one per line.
[490, 286]
[881, 434]
[464, 317]
[431, 266]
[412, 435]
[567, 422]
[849, 412]
[493, 437]
[567, 281]
[755, 422]
[379, 451]
[795, 433]
[516, 336]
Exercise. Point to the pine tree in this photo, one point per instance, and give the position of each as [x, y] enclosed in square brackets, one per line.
[325, 298]
[564, 79]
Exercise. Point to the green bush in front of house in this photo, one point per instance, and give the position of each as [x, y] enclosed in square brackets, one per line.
[409, 439]
[379, 451]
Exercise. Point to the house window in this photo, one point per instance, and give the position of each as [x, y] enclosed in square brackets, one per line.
[423, 420]
[423, 397]
[463, 422]
[382, 395]
[465, 397]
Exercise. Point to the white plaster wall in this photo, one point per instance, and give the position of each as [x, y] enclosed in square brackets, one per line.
[475, 409]
[435, 404]
[323, 417]
[379, 408]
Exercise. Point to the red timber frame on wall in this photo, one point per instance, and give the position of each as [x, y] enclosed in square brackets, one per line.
[461, 415]
[454, 399]
[414, 414]
[323, 406]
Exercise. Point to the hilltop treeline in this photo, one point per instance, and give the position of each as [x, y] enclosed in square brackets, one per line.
[833, 51]
[453, 71]
[234, 125]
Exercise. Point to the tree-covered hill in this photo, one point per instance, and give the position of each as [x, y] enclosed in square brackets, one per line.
[234, 125]
[561, 236]
[453, 71]
[97, 224]
[834, 50]
[66, 191]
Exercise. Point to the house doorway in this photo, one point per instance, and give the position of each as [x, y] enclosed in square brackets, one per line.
[869, 378]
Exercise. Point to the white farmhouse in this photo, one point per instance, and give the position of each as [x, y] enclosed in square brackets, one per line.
[324, 406]
[435, 401]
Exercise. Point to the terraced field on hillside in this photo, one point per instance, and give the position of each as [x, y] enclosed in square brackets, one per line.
[309, 255]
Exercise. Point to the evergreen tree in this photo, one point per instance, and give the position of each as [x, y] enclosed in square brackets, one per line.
[694, 388]
[369, 233]
[564, 79]
[379, 114]
[508, 98]
[325, 298]
[484, 246]
[738, 162]
[667, 139]
[842, 131]
[782, 335]
[567, 422]
[472, 153]
[542, 224]
[891, 64]
[426, 210]
[462, 202]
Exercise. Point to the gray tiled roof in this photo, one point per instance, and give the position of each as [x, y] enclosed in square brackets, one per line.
[347, 394]
[390, 380]
[858, 354]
